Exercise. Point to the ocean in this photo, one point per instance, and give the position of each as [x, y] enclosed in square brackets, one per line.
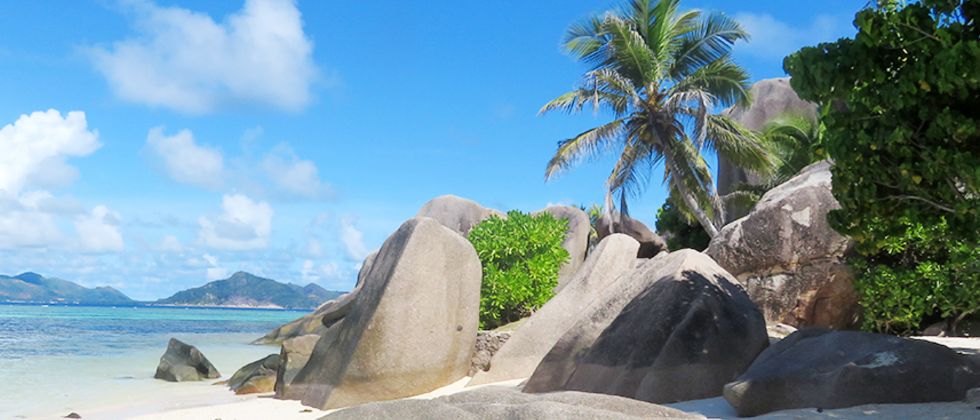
[58, 359]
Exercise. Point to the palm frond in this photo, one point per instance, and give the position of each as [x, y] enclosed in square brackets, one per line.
[723, 79]
[633, 58]
[741, 146]
[585, 144]
[711, 39]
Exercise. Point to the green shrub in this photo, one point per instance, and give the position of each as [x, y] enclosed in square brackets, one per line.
[521, 256]
[678, 230]
[898, 106]
[921, 274]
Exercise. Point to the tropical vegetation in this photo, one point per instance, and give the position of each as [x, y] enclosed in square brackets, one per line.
[521, 255]
[898, 106]
[660, 72]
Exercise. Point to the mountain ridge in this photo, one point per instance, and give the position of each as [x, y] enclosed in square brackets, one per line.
[248, 290]
[35, 288]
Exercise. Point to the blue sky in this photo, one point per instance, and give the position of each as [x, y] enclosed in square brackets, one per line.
[153, 146]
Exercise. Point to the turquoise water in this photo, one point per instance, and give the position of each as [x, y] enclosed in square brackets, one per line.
[57, 359]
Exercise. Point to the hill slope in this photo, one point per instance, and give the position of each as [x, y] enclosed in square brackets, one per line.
[33, 287]
[244, 289]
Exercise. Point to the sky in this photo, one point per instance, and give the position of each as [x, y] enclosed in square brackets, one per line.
[153, 146]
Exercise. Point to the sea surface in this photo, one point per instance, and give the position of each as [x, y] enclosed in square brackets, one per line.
[58, 359]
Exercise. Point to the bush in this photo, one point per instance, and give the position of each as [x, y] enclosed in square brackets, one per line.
[900, 121]
[678, 230]
[521, 256]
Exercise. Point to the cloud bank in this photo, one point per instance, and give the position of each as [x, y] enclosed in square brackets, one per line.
[186, 61]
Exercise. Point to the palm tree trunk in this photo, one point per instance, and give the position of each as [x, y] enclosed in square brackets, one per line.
[699, 214]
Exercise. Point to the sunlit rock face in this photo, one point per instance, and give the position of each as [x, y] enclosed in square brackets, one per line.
[789, 258]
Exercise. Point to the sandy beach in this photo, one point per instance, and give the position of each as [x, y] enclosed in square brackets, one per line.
[204, 401]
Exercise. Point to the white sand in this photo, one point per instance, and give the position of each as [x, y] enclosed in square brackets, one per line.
[258, 407]
[205, 402]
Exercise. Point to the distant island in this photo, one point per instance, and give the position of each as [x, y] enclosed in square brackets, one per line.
[35, 288]
[242, 290]
[246, 290]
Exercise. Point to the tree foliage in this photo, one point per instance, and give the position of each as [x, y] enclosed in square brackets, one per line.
[660, 71]
[899, 107]
[521, 256]
[679, 230]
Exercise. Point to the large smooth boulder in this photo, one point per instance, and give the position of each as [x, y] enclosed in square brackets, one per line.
[833, 369]
[613, 257]
[293, 355]
[256, 377]
[576, 239]
[456, 213]
[183, 362]
[678, 328]
[503, 403]
[411, 328]
[789, 258]
[651, 244]
[323, 317]
[771, 98]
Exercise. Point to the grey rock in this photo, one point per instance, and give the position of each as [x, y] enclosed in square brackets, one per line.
[789, 258]
[323, 317]
[294, 354]
[820, 368]
[256, 377]
[503, 403]
[651, 244]
[488, 343]
[612, 258]
[678, 328]
[411, 329]
[183, 362]
[456, 213]
[771, 98]
[576, 239]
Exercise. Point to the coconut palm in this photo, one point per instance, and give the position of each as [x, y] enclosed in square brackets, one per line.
[660, 72]
[795, 140]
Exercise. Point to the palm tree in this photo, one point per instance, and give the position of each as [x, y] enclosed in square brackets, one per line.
[660, 72]
[795, 140]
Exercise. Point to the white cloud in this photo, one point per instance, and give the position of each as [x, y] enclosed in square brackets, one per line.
[33, 155]
[187, 61]
[170, 243]
[186, 161]
[24, 224]
[293, 175]
[353, 240]
[99, 230]
[308, 273]
[35, 147]
[214, 272]
[775, 39]
[244, 225]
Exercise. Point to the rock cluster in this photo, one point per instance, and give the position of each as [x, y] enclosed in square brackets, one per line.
[622, 333]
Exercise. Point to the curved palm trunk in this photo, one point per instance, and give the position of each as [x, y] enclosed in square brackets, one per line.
[699, 214]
